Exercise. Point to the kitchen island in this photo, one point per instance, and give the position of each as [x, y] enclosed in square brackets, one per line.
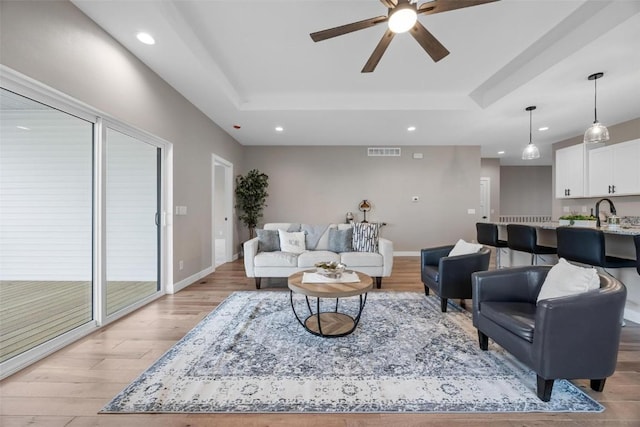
[618, 243]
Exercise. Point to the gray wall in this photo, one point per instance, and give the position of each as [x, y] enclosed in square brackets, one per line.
[320, 185]
[490, 168]
[56, 44]
[626, 205]
[526, 190]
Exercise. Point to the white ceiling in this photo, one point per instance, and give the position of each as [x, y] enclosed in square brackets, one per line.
[252, 63]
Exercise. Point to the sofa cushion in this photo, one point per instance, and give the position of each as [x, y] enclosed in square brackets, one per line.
[361, 259]
[268, 240]
[567, 279]
[465, 248]
[292, 242]
[432, 272]
[275, 259]
[516, 317]
[313, 234]
[310, 258]
[340, 240]
[365, 237]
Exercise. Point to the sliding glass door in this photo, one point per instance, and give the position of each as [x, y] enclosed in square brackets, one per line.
[46, 199]
[132, 220]
[81, 222]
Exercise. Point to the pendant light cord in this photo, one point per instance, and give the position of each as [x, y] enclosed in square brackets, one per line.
[530, 114]
[595, 100]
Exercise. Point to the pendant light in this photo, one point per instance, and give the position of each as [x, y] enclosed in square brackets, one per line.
[597, 132]
[530, 151]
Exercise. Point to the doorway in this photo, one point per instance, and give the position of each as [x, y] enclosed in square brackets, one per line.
[485, 199]
[222, 211]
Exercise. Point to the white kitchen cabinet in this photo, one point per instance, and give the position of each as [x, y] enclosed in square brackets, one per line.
[570, 172]
[614, 170]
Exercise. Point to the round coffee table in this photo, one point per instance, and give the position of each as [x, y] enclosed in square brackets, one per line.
[329, 323]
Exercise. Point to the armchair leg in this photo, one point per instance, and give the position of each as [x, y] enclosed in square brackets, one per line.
[544, 389]
[378, 282]
[426, 290]
[443, 305]
[483, 340]
[598, 384]
[258, 280]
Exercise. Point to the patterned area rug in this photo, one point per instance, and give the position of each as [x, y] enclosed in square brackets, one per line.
[251, 355]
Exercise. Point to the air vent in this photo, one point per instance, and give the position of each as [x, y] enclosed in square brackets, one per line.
[383, 152]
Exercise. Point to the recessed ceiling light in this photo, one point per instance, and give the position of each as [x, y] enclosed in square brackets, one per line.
[543, 128]
[23, 128]
[279, 128]
[145, 38]
[411, 128]
[500, 152]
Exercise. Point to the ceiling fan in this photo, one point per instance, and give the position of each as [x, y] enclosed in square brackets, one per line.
[402, 17]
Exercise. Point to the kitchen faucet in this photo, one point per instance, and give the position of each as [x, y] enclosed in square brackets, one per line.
[611, 208]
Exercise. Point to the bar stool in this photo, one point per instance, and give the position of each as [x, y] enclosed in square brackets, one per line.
[487, 234]
[524, 238]
[636, 240]
[586, 246]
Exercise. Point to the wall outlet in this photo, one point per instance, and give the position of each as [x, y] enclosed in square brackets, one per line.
[566, 209]
[180, 265]
[471, 211]
[584, 209]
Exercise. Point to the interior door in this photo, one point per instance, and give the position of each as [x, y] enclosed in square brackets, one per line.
[485, 199]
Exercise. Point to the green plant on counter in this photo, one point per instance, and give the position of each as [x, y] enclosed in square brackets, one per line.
[576, 217]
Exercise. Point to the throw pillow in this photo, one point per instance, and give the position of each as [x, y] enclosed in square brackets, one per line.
[268, 240]
[465, 248]
[365, 237]
[567, 279]
[292, 242]
[341, 240]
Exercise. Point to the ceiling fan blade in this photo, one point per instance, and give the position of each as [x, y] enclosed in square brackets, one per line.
[378, 52]
[429, 43]
[348, 28]
[439, 6]
[390, 4]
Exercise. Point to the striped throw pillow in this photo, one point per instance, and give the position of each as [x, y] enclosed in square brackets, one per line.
[365, 237]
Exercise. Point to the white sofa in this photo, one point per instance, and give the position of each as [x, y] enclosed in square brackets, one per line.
[283, 264]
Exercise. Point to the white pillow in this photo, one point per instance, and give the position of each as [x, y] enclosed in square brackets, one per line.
[465, 248]
[567, 279]
[292, 242]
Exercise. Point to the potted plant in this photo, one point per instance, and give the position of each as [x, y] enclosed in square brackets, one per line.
[578, 220]
[251, 195]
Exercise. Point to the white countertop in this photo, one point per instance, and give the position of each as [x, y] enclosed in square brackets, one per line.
[552, 225]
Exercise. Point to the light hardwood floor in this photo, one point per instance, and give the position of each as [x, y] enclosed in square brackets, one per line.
[69, 387]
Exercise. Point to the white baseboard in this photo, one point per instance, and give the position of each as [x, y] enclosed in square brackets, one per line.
[406, 253]
[178, 286]
[632, 315]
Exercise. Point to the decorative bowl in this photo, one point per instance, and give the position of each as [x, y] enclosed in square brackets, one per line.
[332, 269]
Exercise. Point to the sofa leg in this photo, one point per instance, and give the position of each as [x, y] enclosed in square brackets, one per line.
[378, 282]
[258, 280]
[426, 290]
[598, 385]
[443, 305]
[483, 340]
[544, 389]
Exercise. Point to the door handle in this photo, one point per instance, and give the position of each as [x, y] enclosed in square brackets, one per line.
[157, 219]
[613, 189]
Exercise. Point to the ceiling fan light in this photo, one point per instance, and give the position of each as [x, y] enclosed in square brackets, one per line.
[530, 152]
[402, 19]
[596, 133]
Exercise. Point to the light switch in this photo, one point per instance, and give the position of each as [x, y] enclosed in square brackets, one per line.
[471, 211]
